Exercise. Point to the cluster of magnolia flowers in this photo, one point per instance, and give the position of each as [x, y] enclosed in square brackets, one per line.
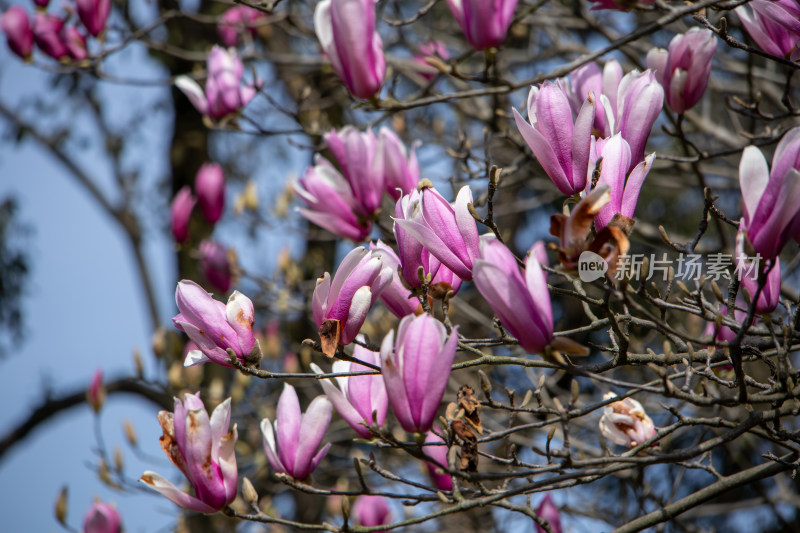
[55, 34]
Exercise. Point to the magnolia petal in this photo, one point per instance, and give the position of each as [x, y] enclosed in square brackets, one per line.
[270, 447]
[177, 496]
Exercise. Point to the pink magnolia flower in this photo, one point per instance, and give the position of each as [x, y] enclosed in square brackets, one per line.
[96, 393]
[370, 511]
[401, 170]
[357, 397]
[774, 25]
[448, 232]
[547, 509]
[331, 202]
[430, 49]
[236, 21]
[483, 22]
[224, 93]
[216, 265]
[181, 213]
[203, 449]
[93, 14]
[589, 79]
[346, 32]
[771, 214]
[17, 27]
[102, 518]
[412, 254]
[75, 42]
[560, 143]
[340, 304]
[750, 269]
[292, 447]
[638, 103]
[684, 69]
[47, 34]
[416, 368]
[209, 185]
[438, 459]
[396, 297]
[624, 422]
[216, 327]
[619, 5]
[360, 156]
[520, 301]
[624, 187]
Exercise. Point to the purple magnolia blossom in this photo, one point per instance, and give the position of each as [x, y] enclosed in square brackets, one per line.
[547, 510]
[224, 93]
[413, 255]
[360, 157]
[448, 232]
[624, 187]
[346, 32]
[47, 34]
[370, 510]
[209, 185]
[17, 27]
[236, 21]
[560, 143]
[771, 198]
[203, 449]
[749, 270]
[340, 304]
[102, 518]
[520, 301]
[75, 42]
[93, 14]
[181, 213]
[483, 22]
[684, 69]
[625, 422]
[292, 443]
[430, 49]
[400, 169]
[396, 297]
[774, 25]
[589, 79]
[438, 456]
[416, 368]
[357, 397]
[216, 265]
[331, 202]
[96, 393]
[215, 327]
[638, 103]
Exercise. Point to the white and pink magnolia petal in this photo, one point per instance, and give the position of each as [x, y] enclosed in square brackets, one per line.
[544, 153]
[174, 494]
[753, 180]
[194, 92]
[581, 143]
[340, 401]
[438, 375]
[226, 459]
[393, 380]
[287, 426]
[270, 446]
[634, 185]
[313, 426]
[319, 300]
